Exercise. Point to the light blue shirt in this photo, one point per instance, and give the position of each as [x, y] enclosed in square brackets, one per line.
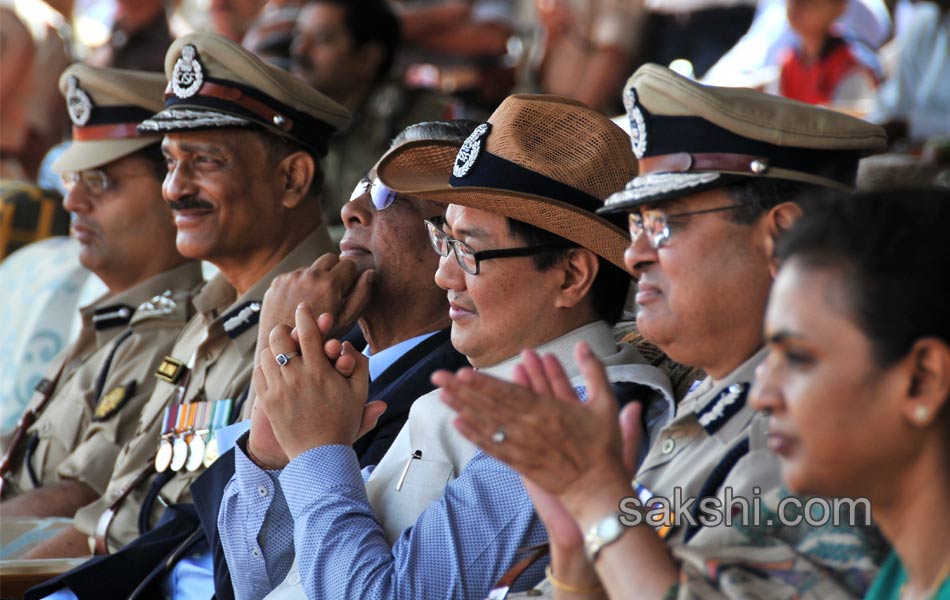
[192, 578]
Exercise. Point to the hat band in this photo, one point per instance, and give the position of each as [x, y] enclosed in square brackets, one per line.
[233, 98]
[235, 95]
[684, 162]
[118, 131]
[491, 171]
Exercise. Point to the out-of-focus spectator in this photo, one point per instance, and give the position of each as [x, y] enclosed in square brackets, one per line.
[754, 60]
[140, 36]
[17, 52]
[272, 33]
[699, 31]
[915, 102]
[346, 50]
[825, 68]
[459, 48]
[588, 48]
[233, 18]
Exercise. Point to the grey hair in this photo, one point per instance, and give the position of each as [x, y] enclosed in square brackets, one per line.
[449, 131]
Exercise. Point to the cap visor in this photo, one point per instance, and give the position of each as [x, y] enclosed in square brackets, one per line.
[183, 119]
[80, 156]
[656, 187]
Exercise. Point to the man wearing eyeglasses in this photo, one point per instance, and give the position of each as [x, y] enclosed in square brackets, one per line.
[723, 173]
[525, 263]
[61, 455]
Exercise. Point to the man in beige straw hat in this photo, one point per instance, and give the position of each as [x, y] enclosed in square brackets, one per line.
[61, 455]
[721, 176]
[525, 262]
[242, 145]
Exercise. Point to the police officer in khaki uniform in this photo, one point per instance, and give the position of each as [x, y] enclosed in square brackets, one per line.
[62, 453]
[242, 141]
[721, 172]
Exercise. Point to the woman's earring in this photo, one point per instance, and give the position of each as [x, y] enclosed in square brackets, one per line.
[921, 413]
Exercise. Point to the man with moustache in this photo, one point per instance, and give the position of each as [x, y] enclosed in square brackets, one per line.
[61, 455]
[242, 144]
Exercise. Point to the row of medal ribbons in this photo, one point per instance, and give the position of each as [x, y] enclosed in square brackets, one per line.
[188, 441]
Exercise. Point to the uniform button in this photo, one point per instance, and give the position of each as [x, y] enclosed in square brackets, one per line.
[294, 578]
[256, 553]
[668, 446]
[46, 426]
[262, 491]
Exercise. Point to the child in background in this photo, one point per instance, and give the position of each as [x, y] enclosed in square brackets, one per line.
[825, 68]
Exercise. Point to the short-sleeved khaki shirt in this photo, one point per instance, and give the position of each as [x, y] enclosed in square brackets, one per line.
[106, 379]
[221, 338]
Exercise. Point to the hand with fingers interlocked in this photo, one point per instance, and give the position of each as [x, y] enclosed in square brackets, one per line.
[317, 397]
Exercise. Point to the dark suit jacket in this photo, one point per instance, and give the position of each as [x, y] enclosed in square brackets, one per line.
[132, 570]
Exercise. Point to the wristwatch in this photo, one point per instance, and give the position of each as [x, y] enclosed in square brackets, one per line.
[602, 533]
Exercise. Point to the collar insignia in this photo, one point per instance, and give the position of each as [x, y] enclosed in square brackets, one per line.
[187, 77]
[112, 316]
[468, 153]
[162, 304]
[723, 407]
[113, 401]
[241, 319]
[78, 102]
[638, 127]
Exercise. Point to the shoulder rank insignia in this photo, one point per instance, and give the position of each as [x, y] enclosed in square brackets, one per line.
[170, 370]
[112, 316]
[242, 318]
[110, 403]
[723, 407]
[160, 305]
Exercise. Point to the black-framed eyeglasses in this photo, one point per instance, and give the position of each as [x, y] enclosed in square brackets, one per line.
[381, 196]
[95, 180]
[467, 257]
[655, 223]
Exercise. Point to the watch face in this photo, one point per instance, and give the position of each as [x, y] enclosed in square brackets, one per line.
[609, 529]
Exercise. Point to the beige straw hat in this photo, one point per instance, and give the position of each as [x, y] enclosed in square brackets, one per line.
[544, 160]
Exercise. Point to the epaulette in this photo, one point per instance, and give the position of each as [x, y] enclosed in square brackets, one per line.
[114, 315]
[242, 318]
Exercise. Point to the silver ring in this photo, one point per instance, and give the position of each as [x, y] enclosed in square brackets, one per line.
[499, 435]
[282, 359]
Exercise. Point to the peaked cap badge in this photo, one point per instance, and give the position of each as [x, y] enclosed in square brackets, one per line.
[78, 102]
[187, 77]
[638, 127]
[471, 148]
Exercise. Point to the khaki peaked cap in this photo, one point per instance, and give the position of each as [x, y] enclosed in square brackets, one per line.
[689, 137]
[105, 106]
[544, 160]
[214, 83]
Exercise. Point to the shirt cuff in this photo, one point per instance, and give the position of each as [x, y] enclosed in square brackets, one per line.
[322, 470]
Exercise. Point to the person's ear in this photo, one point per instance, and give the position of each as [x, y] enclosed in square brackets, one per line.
[929, 383]
[579, 269]
[777, 221]
[296, 172]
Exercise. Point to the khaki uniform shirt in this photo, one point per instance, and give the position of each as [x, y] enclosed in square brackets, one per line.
[222, 338]
[86, 421]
